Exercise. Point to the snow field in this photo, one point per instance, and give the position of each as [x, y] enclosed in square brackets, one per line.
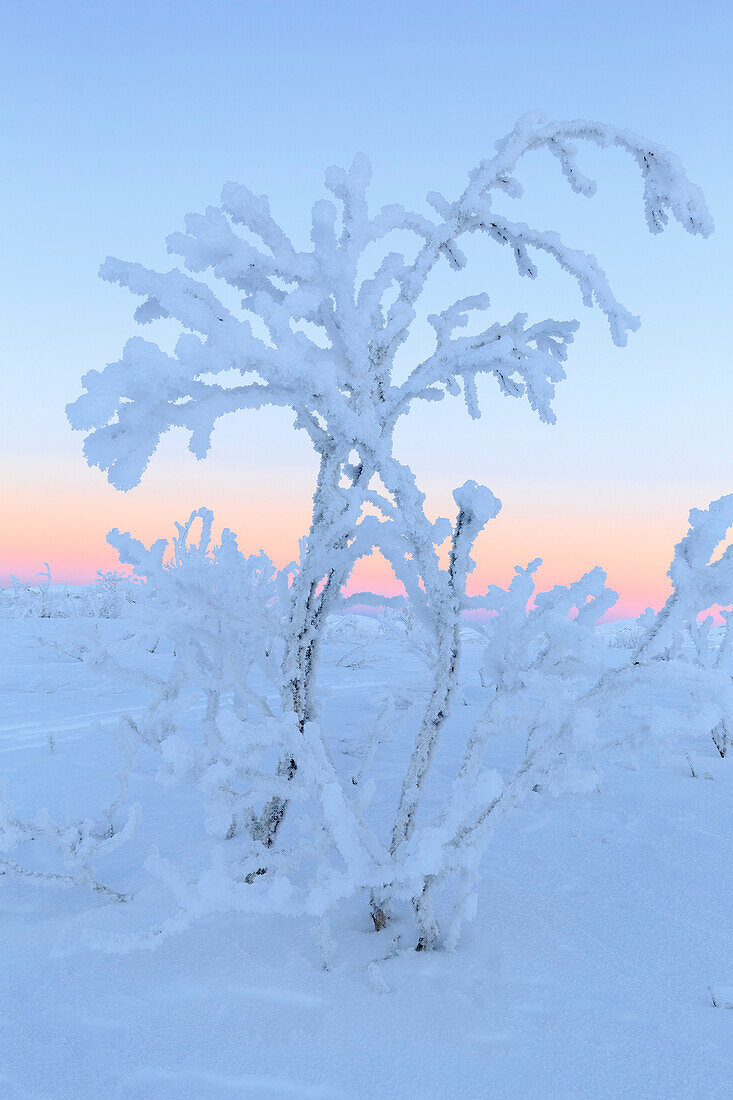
[603, 923]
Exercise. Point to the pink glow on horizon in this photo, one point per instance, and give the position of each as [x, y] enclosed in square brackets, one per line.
[73, 563]
[65, 523]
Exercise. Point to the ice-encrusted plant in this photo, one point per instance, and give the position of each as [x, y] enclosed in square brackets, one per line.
[701, 581]
[551, 687]
[109, 597]
[204, 646]
[314, 333]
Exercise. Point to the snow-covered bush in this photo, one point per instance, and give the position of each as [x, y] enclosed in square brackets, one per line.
[218, 720]
[78, 844]
[317, 333]
[109, 597]
[682, 631]
[700, 582]
[221, 616]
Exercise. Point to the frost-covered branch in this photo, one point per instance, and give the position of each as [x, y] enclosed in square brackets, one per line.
[77, 842]
[524, 359]
[329, 345]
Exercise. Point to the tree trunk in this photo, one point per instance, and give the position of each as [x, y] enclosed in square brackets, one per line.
[315, 591]
[448, 643]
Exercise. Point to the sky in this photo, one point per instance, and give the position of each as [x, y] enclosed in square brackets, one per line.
[120, 118]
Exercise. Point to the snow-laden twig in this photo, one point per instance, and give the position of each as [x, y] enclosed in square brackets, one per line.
[78, 842]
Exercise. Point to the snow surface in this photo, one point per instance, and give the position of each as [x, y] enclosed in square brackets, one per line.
[603, 930]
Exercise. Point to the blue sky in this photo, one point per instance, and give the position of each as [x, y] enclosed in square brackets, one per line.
[120, 118]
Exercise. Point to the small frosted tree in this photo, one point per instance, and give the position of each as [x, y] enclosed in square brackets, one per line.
[323, 344]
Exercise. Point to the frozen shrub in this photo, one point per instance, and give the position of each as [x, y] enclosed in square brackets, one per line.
[317, 333]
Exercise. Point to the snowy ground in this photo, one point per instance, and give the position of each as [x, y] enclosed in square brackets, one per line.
[603, 923]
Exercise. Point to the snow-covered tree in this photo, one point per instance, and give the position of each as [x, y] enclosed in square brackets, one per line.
[315, 333]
